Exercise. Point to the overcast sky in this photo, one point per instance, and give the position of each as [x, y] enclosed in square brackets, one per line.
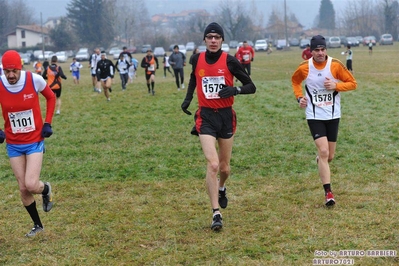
[305, 10]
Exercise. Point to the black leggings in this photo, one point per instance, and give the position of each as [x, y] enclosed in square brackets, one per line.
[179, 71]
[247, 67]
[168, 69]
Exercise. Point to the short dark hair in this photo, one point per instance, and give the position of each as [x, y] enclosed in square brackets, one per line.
[54, 58]
[176, 47]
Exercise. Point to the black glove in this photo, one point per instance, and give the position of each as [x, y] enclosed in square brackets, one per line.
[228, 91]
[185, 105]
[46, 130]
[2, 136]
[252, 59]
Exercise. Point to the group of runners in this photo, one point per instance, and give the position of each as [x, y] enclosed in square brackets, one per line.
[212, 77]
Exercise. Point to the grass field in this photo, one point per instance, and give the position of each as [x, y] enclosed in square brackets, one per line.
[129, 188]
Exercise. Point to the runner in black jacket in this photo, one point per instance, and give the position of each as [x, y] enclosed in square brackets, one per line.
[105, 73]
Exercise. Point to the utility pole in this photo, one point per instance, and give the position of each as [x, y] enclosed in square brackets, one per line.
[41, 29]
[285, 24]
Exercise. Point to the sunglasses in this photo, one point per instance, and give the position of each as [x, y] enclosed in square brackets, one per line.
[210, 37]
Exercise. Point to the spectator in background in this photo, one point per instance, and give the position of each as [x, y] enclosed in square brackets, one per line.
[349, 55]
[178, 60]
[166, 65]
[306, 53]
[370, 47]
[53, 74]
[74, 68]
[245, 55]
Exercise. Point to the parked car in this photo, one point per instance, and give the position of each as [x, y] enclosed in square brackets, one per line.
[62, 56]
[36, 53]
[114, 50]
[47, 55]
[145, 48]
[233, 44]
[82, 55]
[303, 43]
[182, 48]
[344, 40]
[132, 49]
[368, 39]
[281, 44]
[159, 51]
[201, 48]
[386, 39]
[334, 42]
[293, 42]
[116, 53]
[70, 53]
[352, 41]
[190, 46]
[261, 45]
[359, 39]
[83, 50]
[225, 47]
[25, 57]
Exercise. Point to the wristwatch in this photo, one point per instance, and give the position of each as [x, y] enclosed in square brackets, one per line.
[238, 90]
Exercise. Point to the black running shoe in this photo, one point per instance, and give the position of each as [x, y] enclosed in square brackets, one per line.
[217, 222]
[48, 199]
[35, 230]
[222, 199]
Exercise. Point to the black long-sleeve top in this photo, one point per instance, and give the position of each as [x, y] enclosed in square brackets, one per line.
[105, 68]
[234, 67]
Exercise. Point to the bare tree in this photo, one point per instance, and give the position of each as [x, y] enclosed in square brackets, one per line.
[390, 15]
[360, 18]
[12, 15]
[132, 23]
[236, 20]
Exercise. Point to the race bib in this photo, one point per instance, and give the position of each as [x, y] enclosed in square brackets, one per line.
[151, 67]
[323, 98]
[211, 86]
[22, 122]
[246, 57]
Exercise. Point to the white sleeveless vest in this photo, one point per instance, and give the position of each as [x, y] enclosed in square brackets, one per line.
[323, 104]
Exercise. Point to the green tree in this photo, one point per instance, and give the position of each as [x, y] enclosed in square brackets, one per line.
[390, 8]
[61, 36]
[326, 15]
[92, 20]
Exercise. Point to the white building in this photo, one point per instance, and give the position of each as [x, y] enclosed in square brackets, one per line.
[27, 36]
